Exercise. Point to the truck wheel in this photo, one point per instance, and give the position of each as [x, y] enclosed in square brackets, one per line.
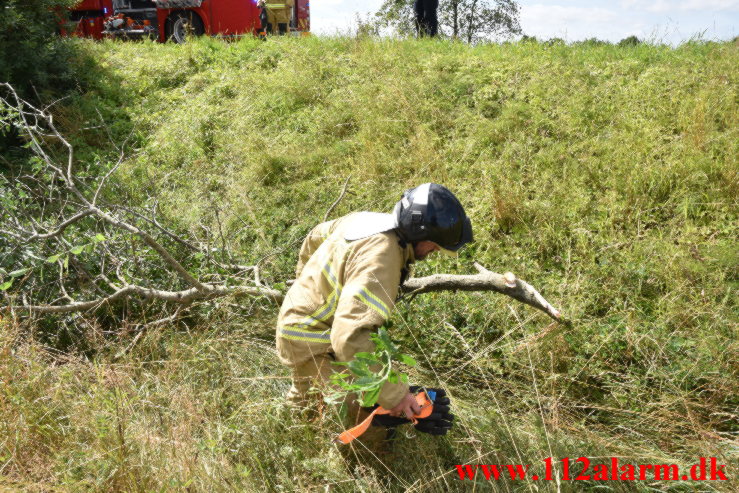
[182, 24]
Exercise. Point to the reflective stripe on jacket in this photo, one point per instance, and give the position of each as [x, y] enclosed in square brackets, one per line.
[343, 291]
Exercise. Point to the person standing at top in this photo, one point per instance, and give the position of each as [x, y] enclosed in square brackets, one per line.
[427, 23]
[278, 14]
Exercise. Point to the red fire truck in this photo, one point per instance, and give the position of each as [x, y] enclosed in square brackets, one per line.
[175, 19]
[88, 17]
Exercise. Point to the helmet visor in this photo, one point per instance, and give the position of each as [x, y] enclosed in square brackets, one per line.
[465, 237]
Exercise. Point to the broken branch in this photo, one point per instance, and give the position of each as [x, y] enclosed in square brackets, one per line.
[485, 280]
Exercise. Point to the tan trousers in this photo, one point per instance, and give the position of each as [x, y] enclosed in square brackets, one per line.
[311, 382]
[310, 379]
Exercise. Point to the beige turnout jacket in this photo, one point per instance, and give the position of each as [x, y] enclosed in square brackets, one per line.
[343, 291]
[279, 11]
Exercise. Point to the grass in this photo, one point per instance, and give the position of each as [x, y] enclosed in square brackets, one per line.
[605, 176]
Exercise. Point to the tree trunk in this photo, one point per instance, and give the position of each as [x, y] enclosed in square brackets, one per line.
[455, 19]
[471, 22]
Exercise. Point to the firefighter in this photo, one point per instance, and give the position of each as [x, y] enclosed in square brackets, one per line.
[278, 13]
[347, 279]
[427, 23]
[262, 20]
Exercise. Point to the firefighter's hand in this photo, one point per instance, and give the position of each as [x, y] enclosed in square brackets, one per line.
[407, 407]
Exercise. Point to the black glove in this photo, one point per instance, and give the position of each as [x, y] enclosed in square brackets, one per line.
[439, 422]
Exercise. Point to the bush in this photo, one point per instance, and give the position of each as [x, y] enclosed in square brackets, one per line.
[32, 58]
[630, 41]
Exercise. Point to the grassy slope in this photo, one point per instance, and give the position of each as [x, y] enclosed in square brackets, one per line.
[606, 177]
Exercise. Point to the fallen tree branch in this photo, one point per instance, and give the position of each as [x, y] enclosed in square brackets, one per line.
[25, 111]
[485, 280]
[183, 297]
[59, 229]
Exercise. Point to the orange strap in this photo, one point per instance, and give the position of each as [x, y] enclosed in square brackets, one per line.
[421, 398]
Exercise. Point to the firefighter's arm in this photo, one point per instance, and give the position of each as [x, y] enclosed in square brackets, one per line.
[311, 243]
[371, 282]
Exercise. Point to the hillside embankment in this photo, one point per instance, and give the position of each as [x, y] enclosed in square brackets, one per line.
[604, 176]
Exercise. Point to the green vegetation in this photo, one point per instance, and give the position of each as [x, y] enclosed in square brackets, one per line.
[605, 176]
[31, 57]
[371, 370]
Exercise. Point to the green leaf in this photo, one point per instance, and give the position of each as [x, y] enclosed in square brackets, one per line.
[366, 358]
[370, 398]
[78, 249]
[19, 272]
[4, 286]
[407, 360]
[54, 258]
[98, 238]
[367, 381]
[66, 262]
[385, 338]
[359, 368]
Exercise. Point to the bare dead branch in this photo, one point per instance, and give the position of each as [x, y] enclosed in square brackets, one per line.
[25, 111]
[156, 224]
[257, 277]
[142, 330]
[59, 228]
[61, 282]
[183, 297]
[336, 202]
[485, 280]
[149, 240]
[107, 175]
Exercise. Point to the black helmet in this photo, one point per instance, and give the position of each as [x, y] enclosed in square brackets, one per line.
[431, 212]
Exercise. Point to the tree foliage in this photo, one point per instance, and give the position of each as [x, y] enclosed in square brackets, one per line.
[469, 20]
[30, 56]
[629, 41]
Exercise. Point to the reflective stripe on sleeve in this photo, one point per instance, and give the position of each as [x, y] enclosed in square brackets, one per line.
[331, 278]
[327, 310]
[300, 335]
[365, 296]
[320, 315]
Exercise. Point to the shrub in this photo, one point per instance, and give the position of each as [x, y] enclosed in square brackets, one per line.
[32, 58]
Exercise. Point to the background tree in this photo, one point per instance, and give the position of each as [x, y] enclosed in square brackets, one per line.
[469, 20]
[31, 57]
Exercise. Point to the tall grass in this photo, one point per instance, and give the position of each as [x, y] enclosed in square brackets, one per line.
[606, 176]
